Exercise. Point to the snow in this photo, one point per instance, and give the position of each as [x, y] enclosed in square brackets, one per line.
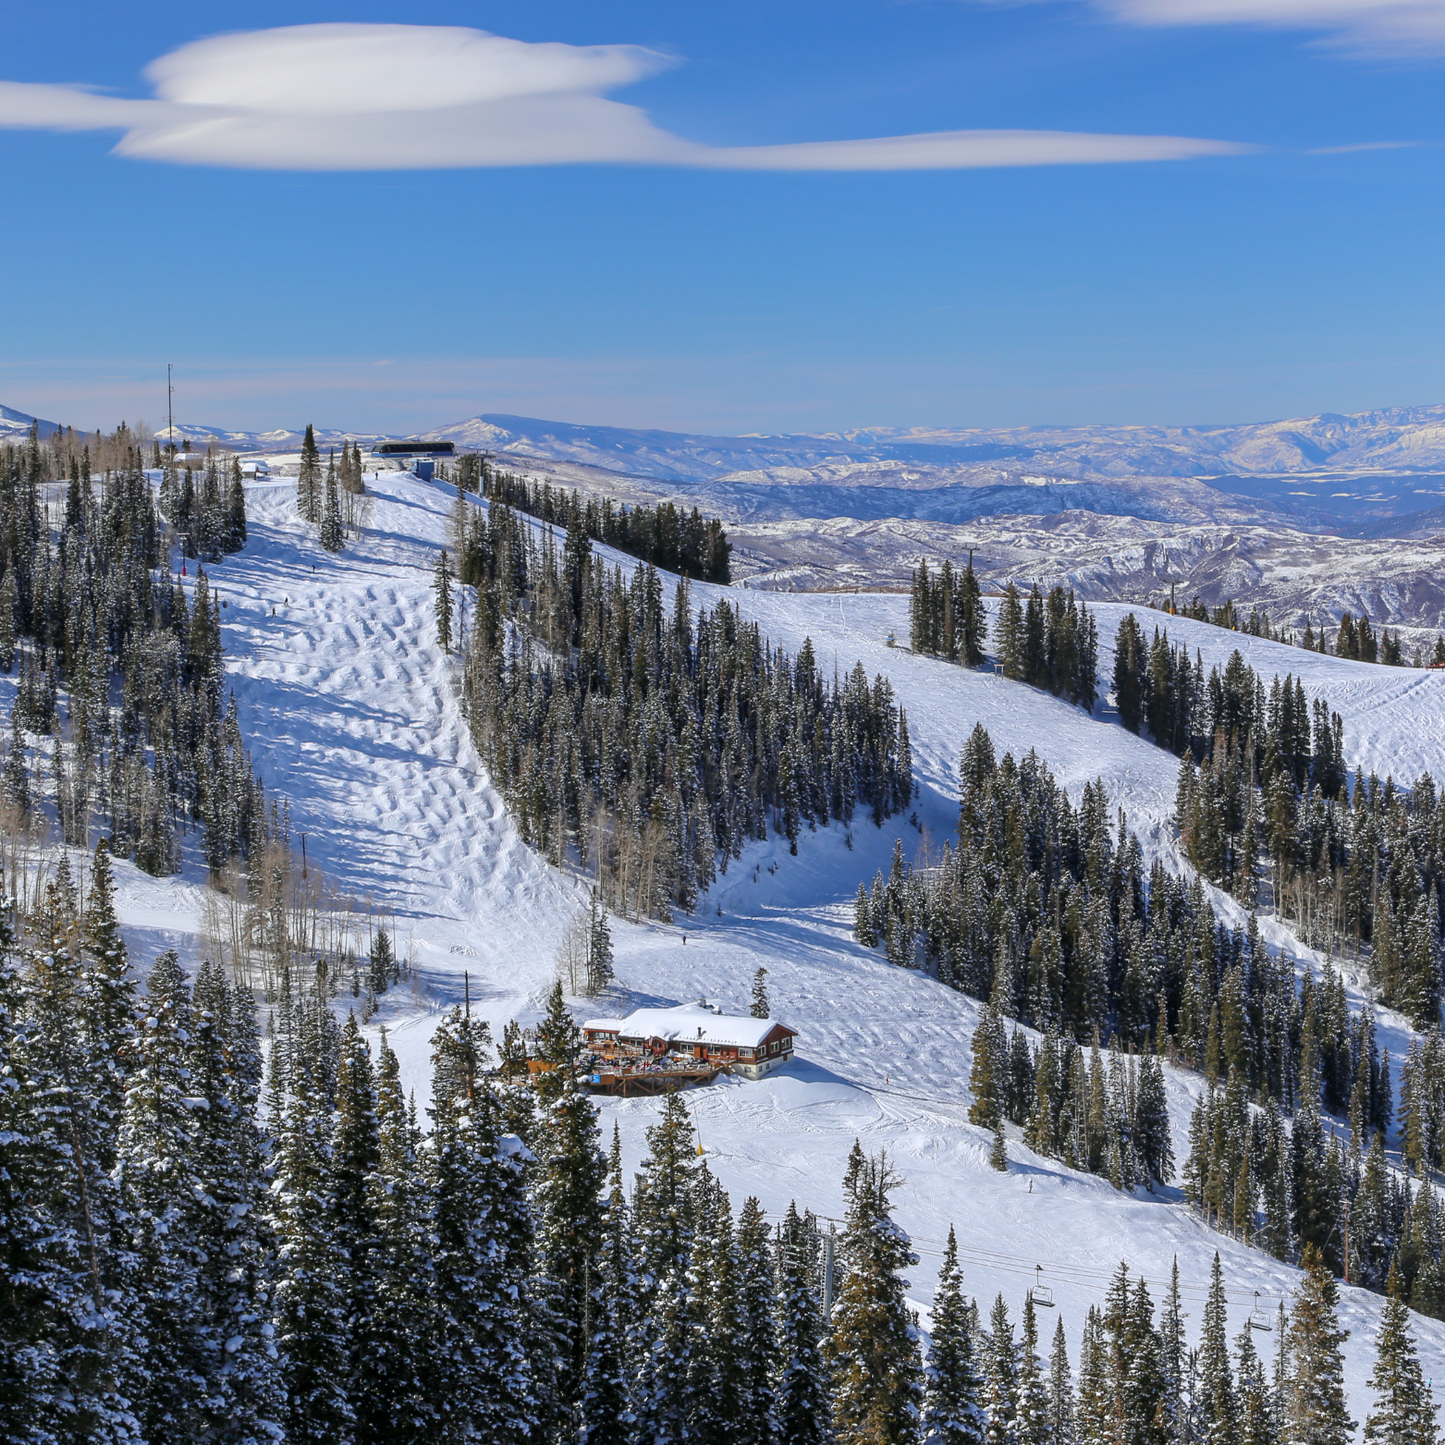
[351, 711]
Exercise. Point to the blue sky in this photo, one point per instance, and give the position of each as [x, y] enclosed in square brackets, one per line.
[674, 282]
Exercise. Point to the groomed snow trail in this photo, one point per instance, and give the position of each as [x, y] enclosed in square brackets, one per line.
[352, 714]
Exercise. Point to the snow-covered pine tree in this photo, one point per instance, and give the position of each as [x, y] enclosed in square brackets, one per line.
[161, 1189]
[1001, 1377]
[759, 1009]
[873, 1350]
[355, 1158]
[395, 1407]
[1405, 1413]
[802, 1390]
[566, 1187]
[80, 1337]
[1217, 1414]
[757, 1329]
[1060, 1391]
[333, 532]
[312, 1330]
[1254, 1401]
[308, 479]
[484, 1332]
[604, 1416]
[1031, 1419]
[599, 945]
[952, 1414]
[1315, 1408]
[442, 586]
[717, 1395]
[242, 1404]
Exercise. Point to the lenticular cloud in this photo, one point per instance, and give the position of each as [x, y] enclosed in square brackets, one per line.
[413, 97]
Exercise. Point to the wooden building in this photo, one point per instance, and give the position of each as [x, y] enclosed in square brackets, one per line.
[744, 1045]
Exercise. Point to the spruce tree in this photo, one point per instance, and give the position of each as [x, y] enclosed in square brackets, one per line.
[952, 1414]
[759, 1009]
[566, 1185]
[1216, 1385]
[333, 533]
[871, 1351]
[1001, 1382]
[1405, 1412]
[442, 586]
[802, 1391]
[308, 479]
[1315, 1408]
[604, 1416]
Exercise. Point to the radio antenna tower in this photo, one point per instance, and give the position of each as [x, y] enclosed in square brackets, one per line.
[170, 409]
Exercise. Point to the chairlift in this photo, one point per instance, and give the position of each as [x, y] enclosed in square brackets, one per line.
[1258, 1320]
[1041, 1294]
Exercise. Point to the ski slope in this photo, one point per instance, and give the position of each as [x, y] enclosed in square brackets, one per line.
[351, 711]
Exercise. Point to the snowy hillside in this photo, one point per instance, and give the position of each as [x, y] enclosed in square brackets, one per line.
[1295, 576]
[352, 714]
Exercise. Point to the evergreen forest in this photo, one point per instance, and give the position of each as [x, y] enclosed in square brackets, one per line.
[650, 743]
[204, 1246]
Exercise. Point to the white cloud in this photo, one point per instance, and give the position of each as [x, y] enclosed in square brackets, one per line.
[411, 97]
[1383, 27]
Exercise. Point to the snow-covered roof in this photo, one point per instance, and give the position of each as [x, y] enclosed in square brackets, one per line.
[690, 1023]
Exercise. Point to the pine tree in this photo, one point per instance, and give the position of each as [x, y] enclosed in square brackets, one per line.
[757, 1329]
[1001, 1384]
[599, 945]
[308, 479]
[1315, 1407]
[951, 1411]
[802, 1389]
[484, 1381]
[1216, 1386]
[1404, 1413]
[1061, 1391]
[603, 1413]
[759, 1008]
[333, 533]
[1031, 1419]
[396, 1404]
[381, 963]
[160, 1190]
[566, 1186]
[872, 1351]
[442, 586]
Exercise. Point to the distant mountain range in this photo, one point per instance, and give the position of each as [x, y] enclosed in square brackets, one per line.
[16, 423]
[1377, 473]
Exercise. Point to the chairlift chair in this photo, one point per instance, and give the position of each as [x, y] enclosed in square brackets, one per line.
[1041, 1294]
[1258, 1320]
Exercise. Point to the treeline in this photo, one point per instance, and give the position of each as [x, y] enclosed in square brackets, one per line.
[651, 744]
[665, 536]
[1050, 642]
[207, 511]
[946, 615]
[1354, 638]
[1108, 1119]
[88, 608]
[1047, 912]
[329, 500]
[1263, 780]
[192, 1254]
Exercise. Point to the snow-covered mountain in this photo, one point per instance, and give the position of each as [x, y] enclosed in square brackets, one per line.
[1323, 471]
[1297, 577]
[1394, 439]
[15, 424]
[351, 710]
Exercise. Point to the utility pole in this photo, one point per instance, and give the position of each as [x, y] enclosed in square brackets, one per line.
[170, 410]
[828, 1240]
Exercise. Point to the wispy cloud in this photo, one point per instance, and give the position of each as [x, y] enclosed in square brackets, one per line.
[1405, 28]
[412, 97]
